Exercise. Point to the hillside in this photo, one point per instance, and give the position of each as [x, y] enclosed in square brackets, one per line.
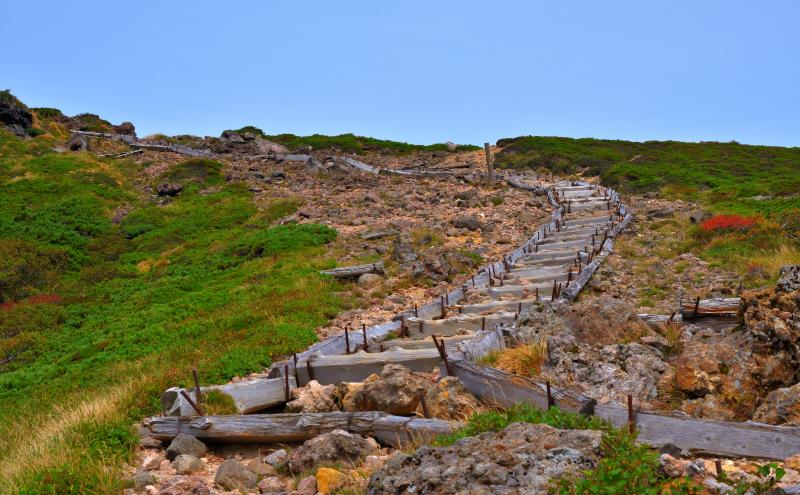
[126, 263]
[759, 183]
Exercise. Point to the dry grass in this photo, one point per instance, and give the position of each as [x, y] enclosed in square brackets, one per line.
[526, 360]
[771, 262]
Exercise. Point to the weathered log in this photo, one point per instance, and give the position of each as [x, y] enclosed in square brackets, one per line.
[249, 396]
[720, 306]
[395, 431]
[363, 167]
[358, 366]
[355, 270]
[482, 344]
[505, 390]
[698, 436]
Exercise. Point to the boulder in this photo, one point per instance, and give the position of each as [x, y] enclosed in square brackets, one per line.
[329, 480]
[151, 462]
[184, 444]
[184, 485]
[126, 129]
[369, 280]
[338, 445]
[143, 478]
[697, 370]
[187, 464]
[277, 458]
[522, 458]
[448, 400]
[313, 398]
[14, 114]
[261, 468]
[403, 251]
[469, 222]
[789, 278]
[167, 189]
[396, 391]
[306, 486]
[699, 216]
[232, 137]
[266, 147]
[782, 406]
[233, 475]
[272, 484]
[77, 143]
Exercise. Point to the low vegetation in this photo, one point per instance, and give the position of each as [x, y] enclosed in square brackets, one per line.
[98, 315]
[757, 185]
[349, 142]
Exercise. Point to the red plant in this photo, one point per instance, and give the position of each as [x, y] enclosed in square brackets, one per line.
[37, 299]
[728, 222]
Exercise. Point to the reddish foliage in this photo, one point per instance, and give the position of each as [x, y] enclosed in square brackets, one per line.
[37, 299]
[728, 222]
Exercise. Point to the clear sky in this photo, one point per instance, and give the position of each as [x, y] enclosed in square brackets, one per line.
[416, 71]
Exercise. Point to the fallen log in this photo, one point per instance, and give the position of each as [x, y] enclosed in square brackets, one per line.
[395, 431]
[720, 306]
[698, 436]
[504, 389]
[355, 270]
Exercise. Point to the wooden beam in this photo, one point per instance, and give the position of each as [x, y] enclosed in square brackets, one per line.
[358, 366]
[355, 270]
[698, 436]
[504, 389]
[395, 431]
[718, 306]
[249, 396]
[489, 164]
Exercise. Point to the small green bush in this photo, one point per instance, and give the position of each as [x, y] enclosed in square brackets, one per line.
[202, 170]
[284, 238]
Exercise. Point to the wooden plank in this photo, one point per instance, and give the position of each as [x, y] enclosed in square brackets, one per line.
[361, 166]
[427, 343]
[716, 306]
[355, 270]
[572, 291]
[249, 396]
[505, 390]
[482, 344]
[395, 431]
[457, 323]
[358, 366]
[699, 436]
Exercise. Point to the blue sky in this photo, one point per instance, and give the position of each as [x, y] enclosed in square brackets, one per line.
[416, 71]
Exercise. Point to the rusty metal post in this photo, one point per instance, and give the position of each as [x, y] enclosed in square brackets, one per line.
[416, 311]
[631, 415]
[364, 331]
[347, 340]
[309, 368]
[550, 401]
[197, 392]
[424, 403]
[444, 308]
[192, 403]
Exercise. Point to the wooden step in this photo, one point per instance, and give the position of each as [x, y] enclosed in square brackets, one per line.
[359, 365]
[487, 308]
[427, 343]
[455, 324]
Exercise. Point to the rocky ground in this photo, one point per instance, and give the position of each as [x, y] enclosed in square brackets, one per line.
[651, 266]
[432, 233]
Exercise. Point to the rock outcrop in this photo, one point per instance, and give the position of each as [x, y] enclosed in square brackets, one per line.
[520, 459]
[338, 445]
[396, 391]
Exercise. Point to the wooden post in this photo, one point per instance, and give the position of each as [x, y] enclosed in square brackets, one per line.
[489, 164]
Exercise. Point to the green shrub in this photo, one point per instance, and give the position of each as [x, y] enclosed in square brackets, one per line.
[626, 467]
[26, 266]
[497, 420]
[284, 238]
[202, 170]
